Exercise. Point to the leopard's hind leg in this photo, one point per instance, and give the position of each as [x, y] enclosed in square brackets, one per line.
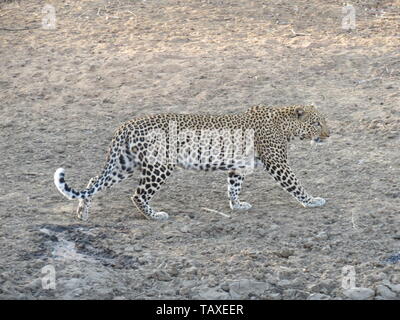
[118, 168]
[153, 176]
[235, 181]
[84, 204]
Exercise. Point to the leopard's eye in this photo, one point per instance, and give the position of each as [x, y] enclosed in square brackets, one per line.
[317, 124]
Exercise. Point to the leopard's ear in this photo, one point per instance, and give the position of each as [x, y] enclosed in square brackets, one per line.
[299, 111]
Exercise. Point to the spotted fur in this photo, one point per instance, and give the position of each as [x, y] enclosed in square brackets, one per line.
[273, 129]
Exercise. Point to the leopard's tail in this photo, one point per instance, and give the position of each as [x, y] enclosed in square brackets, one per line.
[104, 180]
[70, 193]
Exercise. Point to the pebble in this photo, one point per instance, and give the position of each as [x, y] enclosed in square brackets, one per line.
[393, 287]
[191, 271]
[322, 236]
[161, 275]
[385, 292]
[274, 296]
[326, 249]
[213, 294]
[319, 296]
[395, 278]
[185, 291]
[308, 243]
[379, 276]
[173, 271]
[273, 227]
[79, 292]
[324, 286]
[188, 283]
[225, 287]
[295, 283]
[184, 229]
[36, 284]
[243, 288]
[285, 253]
[395, 258]
[259, 276]
[261, 232]
[359, 293]
[294, 294]
[287, 273]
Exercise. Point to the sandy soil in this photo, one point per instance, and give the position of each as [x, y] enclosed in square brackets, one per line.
[63, 92]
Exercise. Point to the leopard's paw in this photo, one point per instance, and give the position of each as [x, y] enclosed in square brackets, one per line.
[314, 202]
[160, 216]
[82, 212]
[240, 206]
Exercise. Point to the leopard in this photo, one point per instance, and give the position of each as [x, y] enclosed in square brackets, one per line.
[144, 143]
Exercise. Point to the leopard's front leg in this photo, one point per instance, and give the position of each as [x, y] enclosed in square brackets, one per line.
[283, 174]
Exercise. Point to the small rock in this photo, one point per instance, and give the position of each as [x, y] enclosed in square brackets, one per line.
[287, 273]
[184, 229]
[160, 275]
[395, 258]
[236, 296]
[213, 294]
[79, 291]
[359, 293]
[274, 296]
[295, 283]
[36, 284]
[308, 245]
[173, 271]
[294, 294]
[259, 276]
[191, 271]
[185, 291]
[324, 286]
[273, 227]
[395, 278]
[188, 283]
[212, 282]
[379, 276]
[243, 288]
[385, 292]
[319, 296]
[326, 249]
[225, 287]
[59, 150]
[261, 232]
[285, 253]
[322, 236]
[394, 287]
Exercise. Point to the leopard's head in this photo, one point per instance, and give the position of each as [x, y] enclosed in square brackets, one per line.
[311, 124]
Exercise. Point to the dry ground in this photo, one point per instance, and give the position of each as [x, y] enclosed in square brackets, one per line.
[63, 92]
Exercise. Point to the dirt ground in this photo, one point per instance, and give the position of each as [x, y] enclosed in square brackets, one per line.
[64, 91]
